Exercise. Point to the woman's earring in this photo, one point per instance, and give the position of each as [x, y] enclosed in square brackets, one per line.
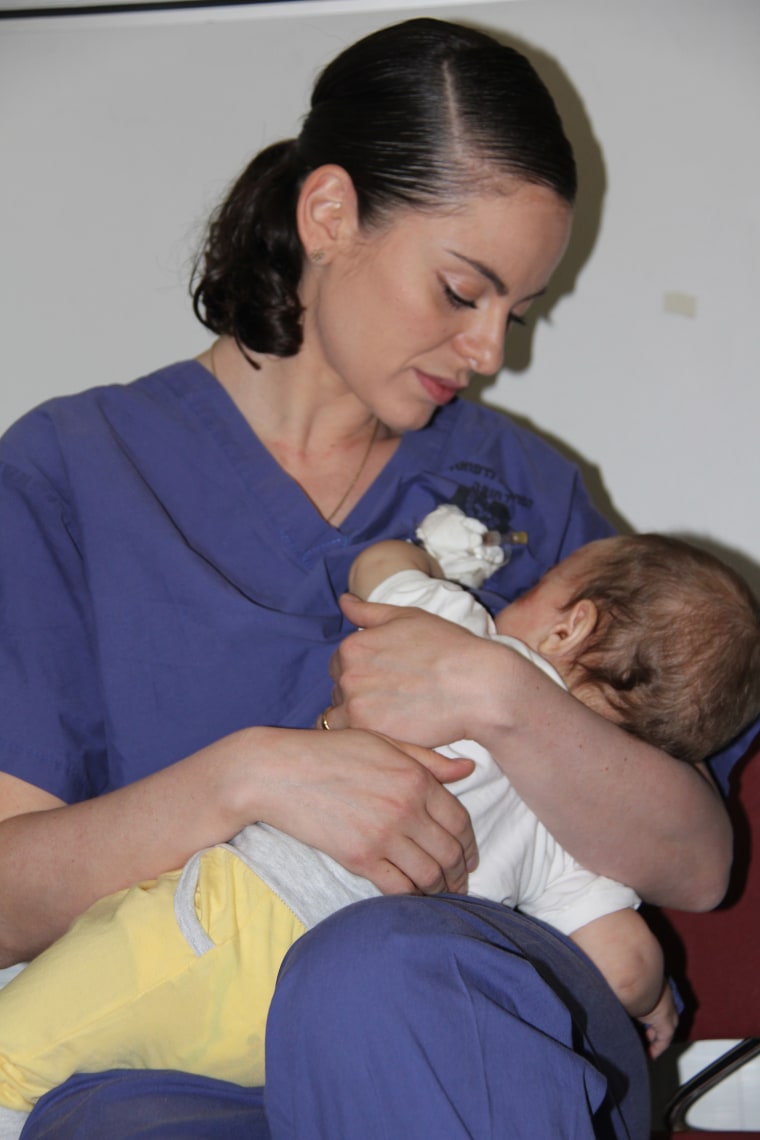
[317, 255]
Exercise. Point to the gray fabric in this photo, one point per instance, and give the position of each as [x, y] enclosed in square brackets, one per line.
[310, 883]
[11, 1123]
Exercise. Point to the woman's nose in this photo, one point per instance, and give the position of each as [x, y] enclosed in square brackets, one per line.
[482, 344]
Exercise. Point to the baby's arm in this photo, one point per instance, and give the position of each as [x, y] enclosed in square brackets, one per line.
[380, 561]
[624, 949]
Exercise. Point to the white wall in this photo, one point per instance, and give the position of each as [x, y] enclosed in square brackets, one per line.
[117, 133]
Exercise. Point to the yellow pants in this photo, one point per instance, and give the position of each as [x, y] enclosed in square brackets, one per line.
[122, 989]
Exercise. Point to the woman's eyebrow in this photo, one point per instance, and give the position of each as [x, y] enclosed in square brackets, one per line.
[491, 275]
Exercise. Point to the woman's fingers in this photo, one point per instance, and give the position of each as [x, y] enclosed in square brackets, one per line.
[445, 809]
[409, 868]
[434, 868]
[331, 718]
[378, 807]
[366, 615]
[434, 847]
[408, 674]
[421, 877]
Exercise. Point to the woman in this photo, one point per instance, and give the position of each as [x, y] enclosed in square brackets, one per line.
[178, 546]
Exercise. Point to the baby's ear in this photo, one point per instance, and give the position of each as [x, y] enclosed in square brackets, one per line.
[567, 636]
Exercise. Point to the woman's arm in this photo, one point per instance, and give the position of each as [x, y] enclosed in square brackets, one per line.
[378, 808]
[619, 806]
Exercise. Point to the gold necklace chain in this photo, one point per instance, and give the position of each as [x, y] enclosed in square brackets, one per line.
[355, 480]
[360, 468]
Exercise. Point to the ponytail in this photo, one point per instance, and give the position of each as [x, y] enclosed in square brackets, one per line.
[245, 283]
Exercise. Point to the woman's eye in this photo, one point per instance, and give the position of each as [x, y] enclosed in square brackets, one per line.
[515, 320]
[455, 300]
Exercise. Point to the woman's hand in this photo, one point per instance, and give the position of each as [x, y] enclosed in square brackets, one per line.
[619, 806]
[376, 806]
[409, 674]
[379, 808]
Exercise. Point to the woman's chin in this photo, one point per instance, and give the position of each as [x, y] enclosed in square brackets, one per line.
[409, 418]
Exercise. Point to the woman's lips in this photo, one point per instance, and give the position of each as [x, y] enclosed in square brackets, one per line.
[441, 391]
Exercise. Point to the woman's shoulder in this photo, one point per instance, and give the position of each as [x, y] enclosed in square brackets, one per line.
[62, 422]
[479, 434]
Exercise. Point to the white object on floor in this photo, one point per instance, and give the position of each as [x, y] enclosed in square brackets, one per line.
[11, 1123]
[735, 1103]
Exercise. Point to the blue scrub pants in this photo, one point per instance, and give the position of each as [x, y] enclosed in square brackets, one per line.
[404, 1017]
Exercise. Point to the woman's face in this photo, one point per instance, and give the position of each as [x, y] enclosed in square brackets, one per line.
[403, 316]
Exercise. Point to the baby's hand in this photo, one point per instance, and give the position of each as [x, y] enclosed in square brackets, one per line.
[462, 546]
[660, 1023]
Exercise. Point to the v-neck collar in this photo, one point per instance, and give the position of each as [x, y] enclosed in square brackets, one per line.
[272, 489]
[227, 494]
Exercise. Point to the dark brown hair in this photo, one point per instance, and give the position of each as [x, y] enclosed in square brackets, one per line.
[676, 651]
[421, 115]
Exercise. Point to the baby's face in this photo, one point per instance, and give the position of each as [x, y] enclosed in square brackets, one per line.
[533, 616]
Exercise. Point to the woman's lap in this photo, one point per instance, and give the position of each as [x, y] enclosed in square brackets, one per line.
[420, 1017]
[148, 1105]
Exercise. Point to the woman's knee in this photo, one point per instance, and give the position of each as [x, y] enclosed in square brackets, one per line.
[408, 1008]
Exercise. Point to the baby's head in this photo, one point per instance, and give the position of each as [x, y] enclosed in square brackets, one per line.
[653, 633]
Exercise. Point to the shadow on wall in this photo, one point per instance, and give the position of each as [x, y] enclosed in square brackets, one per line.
[590, 473]
[592, 180]
[592, 477]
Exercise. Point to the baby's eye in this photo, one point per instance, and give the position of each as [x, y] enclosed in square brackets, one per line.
[515, 320]
[455, 300]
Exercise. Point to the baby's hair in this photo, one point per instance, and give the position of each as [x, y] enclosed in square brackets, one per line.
[676, 650]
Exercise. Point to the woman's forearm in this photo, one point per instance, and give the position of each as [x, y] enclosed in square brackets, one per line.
[619, 806]
[56, 860]
[380, 809]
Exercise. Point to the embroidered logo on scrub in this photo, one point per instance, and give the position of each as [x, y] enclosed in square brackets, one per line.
[490, 500]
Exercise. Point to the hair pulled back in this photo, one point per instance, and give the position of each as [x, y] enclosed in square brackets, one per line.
[676, 650]
[420, 115]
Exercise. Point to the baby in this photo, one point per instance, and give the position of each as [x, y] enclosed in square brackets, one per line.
[648, 631]
[178, 973]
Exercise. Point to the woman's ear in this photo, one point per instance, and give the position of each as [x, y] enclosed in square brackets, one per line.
[327, 212]
[568, 635]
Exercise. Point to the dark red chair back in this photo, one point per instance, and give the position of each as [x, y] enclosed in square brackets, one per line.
[714, 957]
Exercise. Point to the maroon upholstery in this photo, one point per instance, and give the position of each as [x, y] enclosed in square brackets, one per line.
[714, 957]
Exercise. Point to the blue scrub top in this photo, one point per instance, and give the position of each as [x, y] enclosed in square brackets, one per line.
[163, 582]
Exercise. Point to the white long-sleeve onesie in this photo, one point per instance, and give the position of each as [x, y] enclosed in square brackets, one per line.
[521, 864]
